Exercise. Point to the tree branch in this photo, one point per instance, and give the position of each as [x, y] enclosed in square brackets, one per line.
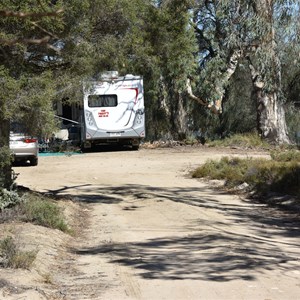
[43, 41]
[23, 15]
[216, 106]
[44, 30]
[256, 78]
[191, 95]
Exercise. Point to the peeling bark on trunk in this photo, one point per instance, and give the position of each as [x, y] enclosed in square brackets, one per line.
[270, 112]
[191, 94]
[271, 118]
[271, 122]
[180, 126]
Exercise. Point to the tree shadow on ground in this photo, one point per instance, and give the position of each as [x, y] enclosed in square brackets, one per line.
[213, 253]
[201, 256]
[259, 216]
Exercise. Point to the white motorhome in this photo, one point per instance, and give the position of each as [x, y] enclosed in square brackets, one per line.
[113, 111]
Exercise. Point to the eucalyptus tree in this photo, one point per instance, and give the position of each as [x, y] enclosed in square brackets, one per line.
[230, 32]
[173, 45]
[47, 48]
[154, 39]
[31, 44]
[288, 28]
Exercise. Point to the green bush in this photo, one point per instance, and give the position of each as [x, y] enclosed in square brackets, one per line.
[13, 257]
[44, 212]
[261, 175]
[233, 170]
[285, 156]
[34, 208]
[293, 122]
[9, 198]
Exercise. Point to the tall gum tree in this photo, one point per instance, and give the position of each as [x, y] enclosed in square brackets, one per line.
[28, 46]
[229, 32]
[268, 86]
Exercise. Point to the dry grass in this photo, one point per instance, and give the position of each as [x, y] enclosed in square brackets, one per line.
[43, 211]
[13, 257]
[248, 140]
[263, 176]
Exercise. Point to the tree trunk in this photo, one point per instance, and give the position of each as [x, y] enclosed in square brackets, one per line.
[271, 118]
[180, 126]
[271, 122]
[270, 112]
[5, 159]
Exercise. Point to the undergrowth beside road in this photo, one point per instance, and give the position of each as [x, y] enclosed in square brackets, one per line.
[246, 140]
[43, 211]
[36, 209]
[11, 256]
[280, 174]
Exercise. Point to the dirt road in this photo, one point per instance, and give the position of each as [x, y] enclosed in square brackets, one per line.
[149, 231]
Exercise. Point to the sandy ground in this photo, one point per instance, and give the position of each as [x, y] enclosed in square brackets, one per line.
[146, 230]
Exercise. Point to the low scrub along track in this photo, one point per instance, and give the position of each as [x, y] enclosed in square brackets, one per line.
[146, 230]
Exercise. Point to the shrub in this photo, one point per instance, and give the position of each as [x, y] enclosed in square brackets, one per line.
[9, 198]
[13, 257]
[287, 179]
[232, 170]
[44, 212]
[261, 174]
[248, 140]
[285, 156]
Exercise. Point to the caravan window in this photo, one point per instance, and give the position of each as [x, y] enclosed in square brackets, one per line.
[102, 100]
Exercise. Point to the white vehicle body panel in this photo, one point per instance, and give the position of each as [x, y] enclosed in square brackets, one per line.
[24, 148]
[114, 108]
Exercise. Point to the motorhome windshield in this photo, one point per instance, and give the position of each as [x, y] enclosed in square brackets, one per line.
[102, 100]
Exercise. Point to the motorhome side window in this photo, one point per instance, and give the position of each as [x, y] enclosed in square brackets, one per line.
[102, 100]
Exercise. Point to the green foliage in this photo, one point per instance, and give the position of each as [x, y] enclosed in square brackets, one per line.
[9, 198]
[239, 114]
[9, 90]
[285, 156]
[155, 39]
[166, 62]
[38, 93]
[232, 170]
[223, 27]
[239, 110]
[12, 257]
[33, 208]
[94, 36]
[293, 121]
[287, 26]
[44, 212]
[262, 175]
[5, 162]
[5, 157]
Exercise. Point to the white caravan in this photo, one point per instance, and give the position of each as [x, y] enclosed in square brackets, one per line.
[113, 111]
